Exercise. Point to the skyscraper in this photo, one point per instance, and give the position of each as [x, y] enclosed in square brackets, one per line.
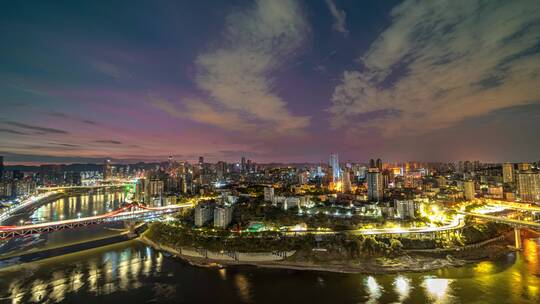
[469, 191]
[375, 185]
[346, 183]
[508, 173]
[379, 164]
[107, 170]
[333, 162]
[528, 184]
[243, 165]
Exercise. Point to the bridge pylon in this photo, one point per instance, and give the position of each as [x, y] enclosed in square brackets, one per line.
[517, 237]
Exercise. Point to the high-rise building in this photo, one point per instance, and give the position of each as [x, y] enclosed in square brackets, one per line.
[221, 170]
[468, 190]
[243, 164]
[508, 173]
[528, 186]
[107, 170]
[222, 216]
[154, 187]
[379, 164]
[375, 185]
[204, 212]
[346, 182]
[405, 208]
[333, 162]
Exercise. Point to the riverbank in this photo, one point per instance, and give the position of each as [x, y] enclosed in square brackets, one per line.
[316, 261]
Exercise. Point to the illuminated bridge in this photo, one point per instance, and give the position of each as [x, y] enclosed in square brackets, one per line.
[128, 212]
[517, 224]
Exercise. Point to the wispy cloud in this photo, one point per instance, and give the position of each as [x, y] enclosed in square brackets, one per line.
[204, 113]
[340, 18]
[41, 130]
[236, 76]
[109, 69]
[108, 141]
[439, 63]
[11, 131]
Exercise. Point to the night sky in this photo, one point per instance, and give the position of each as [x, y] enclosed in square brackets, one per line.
[285, 81]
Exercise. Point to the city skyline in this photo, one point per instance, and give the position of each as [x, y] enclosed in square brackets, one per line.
[272, 81]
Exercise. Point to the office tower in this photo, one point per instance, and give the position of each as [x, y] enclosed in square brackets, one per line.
[372, 163]
[375, 185]
[508, 173]
[334, 167]
[468, 191]
[222, 216]
[528, 184]
[107, 170]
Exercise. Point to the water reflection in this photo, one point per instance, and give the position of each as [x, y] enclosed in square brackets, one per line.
[373, 288]
[136, 273]
[402, 286]
[243, 287]
[437, 289]
[78, 206]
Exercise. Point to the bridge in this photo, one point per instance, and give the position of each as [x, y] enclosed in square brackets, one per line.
[89, 187]
[130, 211]
[517, 224]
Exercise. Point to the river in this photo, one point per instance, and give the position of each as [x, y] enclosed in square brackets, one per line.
[131, 272]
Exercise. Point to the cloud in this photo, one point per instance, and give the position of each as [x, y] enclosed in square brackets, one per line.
[108, 141]
[109, 69]
[340, 18]
[41, 130]
[236, 76]
[439, 63]
[11, 131]
[204, 113]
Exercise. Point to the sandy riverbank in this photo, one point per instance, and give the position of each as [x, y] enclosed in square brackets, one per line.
[407, 262]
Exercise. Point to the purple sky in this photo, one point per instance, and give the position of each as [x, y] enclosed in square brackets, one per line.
[287, 81]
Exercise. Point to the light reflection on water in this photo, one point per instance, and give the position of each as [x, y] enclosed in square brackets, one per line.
[136, 273]
[79, 205]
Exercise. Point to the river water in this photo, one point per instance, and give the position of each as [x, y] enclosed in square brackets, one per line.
[131, 272]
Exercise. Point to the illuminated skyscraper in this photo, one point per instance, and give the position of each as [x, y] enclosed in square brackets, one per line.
[508, 173]
[528, 184]
[375, 185]
[333, 162]
[107, 170]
